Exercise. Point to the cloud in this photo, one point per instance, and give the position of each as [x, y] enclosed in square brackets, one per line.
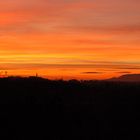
[95, 42]
[124, 72]
[125, 29]
[129, 67]
[91, 72]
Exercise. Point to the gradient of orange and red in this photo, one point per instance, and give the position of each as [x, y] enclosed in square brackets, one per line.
[83, 39]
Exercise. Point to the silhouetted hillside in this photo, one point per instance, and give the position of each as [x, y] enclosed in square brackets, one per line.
[127, 78]
[37, 108]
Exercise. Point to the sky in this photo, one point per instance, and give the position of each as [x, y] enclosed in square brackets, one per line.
[82, 39]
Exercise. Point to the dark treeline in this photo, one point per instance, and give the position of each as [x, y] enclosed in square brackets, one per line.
[37, 108]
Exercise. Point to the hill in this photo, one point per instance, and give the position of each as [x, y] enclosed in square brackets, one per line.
[127, 78]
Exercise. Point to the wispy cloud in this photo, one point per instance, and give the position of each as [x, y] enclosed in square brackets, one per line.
[124, 72]
[92, 72]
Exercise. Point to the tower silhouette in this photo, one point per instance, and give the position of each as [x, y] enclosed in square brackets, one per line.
[6, 73]
[36, 74]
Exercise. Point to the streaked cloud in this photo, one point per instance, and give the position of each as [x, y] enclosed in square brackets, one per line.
[124, 72]
[92, 72]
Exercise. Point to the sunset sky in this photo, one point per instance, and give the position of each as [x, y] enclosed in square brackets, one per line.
[83, 39]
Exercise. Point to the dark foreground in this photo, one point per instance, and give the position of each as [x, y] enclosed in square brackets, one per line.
[34, 108]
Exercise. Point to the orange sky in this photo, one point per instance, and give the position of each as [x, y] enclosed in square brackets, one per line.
[84, 39]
